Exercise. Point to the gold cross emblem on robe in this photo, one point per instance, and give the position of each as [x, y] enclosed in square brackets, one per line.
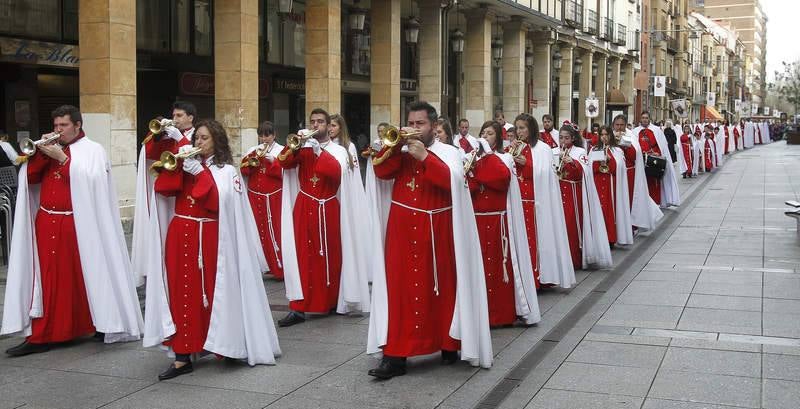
[314, 180]
[57, 175]
[190, 199]
[412, 185]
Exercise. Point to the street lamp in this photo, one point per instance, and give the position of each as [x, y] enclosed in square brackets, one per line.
[557, 60]
[457, 41]
[578, 65]
[594, 69]
[357, 17]
[285, 6]
[412, 30]
[497, 49]
[529, 53]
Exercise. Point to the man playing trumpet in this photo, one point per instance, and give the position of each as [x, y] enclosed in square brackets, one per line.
[69, 274]
[318, 217]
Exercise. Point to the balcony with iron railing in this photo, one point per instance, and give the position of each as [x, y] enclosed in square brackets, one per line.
[591, 22]
[635, 41]
[573, 13]
[607, 29]
[622, 35]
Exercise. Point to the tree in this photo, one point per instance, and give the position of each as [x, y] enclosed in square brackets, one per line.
[787, 84]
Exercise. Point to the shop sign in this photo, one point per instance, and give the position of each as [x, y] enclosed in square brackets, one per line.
[194, 83]
[289, 85]
[408, 85]
[38, 52]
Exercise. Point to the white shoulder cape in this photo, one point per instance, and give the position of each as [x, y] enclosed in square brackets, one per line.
[622, 212]
[241, 324]
[471, 316]
[107, 273]
[552, 244]
[670, 194]
[356, 259]
[749, 134]
[645, 213]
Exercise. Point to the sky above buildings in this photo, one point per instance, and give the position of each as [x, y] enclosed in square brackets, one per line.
[783, 33]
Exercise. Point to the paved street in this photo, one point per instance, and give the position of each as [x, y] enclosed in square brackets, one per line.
[703, 313]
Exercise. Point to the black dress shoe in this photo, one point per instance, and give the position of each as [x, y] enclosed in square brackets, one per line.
[173, 372]
[449, 357]
[27, 348]
[291, 318]
[99, 336]
[389, 368]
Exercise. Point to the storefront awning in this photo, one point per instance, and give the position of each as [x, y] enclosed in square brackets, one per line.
[712, 113]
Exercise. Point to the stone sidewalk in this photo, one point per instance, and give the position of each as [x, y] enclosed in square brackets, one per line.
[704, 310]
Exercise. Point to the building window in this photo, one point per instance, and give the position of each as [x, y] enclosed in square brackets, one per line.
[284, 42]
[172, 26]
[203, 35]
[55, 20]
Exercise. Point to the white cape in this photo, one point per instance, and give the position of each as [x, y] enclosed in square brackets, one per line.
[719, 147]
[525, 300]
[241, 324]
[552, 244]
[356, 259]
[670, 194]
[594, 237]
[471, 315]
[108, 277]
[379, 201]
[740, 142]
[749, 134]
[622, 212]
[645, 213]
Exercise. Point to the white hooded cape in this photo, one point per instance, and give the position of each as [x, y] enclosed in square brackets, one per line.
[622, 212]
[731, 141]
[357, 259]
[670, 194]
[108, 277]
[697, 155]
[471, 315]
[749, 134]
[594, 238]
[552, 244]
[525, 300]
[379, 201]
[719, 147]
[740, 142]
[241, 324]
[645, 213]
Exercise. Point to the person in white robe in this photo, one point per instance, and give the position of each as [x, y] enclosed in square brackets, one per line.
[670, 194]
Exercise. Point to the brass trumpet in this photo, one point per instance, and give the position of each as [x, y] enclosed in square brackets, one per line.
[260, 152]
[560, 171]
[169, 160]
[295, 142]
[472, 159]
[603, 168]
[29, 146]
[516, 148]
[392, 135]
[156, 126]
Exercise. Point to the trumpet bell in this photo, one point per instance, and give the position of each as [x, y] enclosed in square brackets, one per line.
[157, 126]
[27, 146]
[392, 136]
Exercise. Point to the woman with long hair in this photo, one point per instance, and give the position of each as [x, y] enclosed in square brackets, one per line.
[264, 177]
[544, 221]
[608, 166]
[341, 135]
[213, 298]
[504, 244]
[443, 131]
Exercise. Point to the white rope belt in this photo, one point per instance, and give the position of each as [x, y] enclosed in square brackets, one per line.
[57, 212]
[503, 238]
[267, 196]
[201, 221]
[430, 214]
[323, 237]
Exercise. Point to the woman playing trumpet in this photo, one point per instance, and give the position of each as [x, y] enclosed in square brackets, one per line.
[264, 177]
[608, 163]
[213, 298]
[501, 231]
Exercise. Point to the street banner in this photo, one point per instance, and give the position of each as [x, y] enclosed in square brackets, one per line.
[659, 86]
[592, 107]
[679, 108]
[711, 99]
[737, 104]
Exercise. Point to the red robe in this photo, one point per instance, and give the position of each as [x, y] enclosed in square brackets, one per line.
[154, 147]
[630, 167]
[606, 188]
[709, 155]
[758, 135]
[686, 146]
[64, 300]
[319, 259]
[545, 137]
[714, 158]
[419, 318]
[196, 199]
[736, 137]
[489, 188]
[264, 185]
[525, 176]
[727, 139]
[572, 198]
[649, 145]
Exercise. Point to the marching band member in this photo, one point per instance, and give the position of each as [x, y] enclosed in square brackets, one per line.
[69, 274]
[170, 136]
[340, 134]
[611, 181]
[463, 139]
[645, 213]
[584, 218]
[685, 159]
[549, 135]
[444, 133]
[652, 141]
[324, 271]
[511, 291]
[213, 297]
[264, 177]
[719, 146]
[431, 296]
[709, 149]
[542, 207]
[738, 135]
[378, 191]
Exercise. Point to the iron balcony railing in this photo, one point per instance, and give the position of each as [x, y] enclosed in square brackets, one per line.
[591, 22]
[607, 29]
[573, 13]
[622, 35]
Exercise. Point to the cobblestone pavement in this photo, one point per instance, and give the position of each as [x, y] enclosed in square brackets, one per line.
[702, 313]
